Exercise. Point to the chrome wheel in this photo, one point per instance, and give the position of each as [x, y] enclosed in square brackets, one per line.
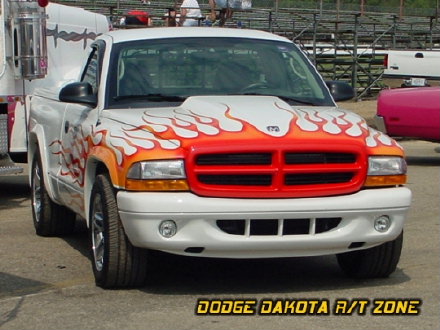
[115, 262]
[50, 218]
[98, 233]
[36, 193]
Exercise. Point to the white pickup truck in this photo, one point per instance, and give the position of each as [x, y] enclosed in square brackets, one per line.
[212, 142]
[415, 67]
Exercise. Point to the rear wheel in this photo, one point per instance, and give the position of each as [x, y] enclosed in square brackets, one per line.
[115, 261]
[376, 262]
[50, 219]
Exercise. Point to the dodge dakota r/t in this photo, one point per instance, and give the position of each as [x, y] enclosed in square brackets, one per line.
[212, 142]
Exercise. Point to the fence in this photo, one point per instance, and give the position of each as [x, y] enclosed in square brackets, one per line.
[343, 44]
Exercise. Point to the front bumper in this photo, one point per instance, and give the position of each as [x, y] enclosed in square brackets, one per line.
[196, 218]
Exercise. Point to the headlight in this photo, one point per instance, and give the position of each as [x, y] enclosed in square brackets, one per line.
[386, 171]
[157, 170]
[382, 165]
[159, 175]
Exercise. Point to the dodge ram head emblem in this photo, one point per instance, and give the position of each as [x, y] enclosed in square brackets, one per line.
[272, 128]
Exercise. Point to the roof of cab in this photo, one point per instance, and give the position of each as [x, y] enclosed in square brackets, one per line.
[184, 32]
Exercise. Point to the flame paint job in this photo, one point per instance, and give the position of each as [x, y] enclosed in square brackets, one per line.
[163, 133]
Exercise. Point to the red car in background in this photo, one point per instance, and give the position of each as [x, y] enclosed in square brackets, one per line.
[410, 112]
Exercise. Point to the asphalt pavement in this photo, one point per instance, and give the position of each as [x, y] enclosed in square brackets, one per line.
[47, 283]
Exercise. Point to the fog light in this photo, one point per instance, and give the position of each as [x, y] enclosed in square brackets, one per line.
[168, 228]
[382, 224]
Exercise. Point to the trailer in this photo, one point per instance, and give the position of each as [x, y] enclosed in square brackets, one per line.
[41, 45]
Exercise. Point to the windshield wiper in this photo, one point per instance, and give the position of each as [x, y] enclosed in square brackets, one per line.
[284, 98]
[152, 97]
[296, 100]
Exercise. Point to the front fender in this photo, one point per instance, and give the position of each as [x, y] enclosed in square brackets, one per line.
[99, 160]
[37, 144]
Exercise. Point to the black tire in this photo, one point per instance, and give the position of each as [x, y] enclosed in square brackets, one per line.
[115, 261]
[377, 262]
[50, 218]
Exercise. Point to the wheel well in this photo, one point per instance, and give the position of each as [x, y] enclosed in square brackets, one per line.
[94, 168]
[3, 108]
[32, 148]
[101, 169]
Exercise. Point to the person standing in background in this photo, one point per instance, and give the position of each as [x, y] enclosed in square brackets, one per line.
[171, 17]
[226, 9]
[190, 13]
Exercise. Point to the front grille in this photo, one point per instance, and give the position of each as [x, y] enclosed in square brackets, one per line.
[319, 158]
[317, 178]
[237, 180]
[235, 159]
[278, 227]
[276, 171]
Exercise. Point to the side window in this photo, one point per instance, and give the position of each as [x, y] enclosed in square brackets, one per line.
[91, 72]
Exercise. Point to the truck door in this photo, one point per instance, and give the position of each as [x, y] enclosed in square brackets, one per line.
[78, 123]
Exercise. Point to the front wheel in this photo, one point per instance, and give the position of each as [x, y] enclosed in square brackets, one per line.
[376, 262]
[115, 261]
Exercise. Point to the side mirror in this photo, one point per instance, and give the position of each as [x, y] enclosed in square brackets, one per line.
[340, 90]
[78, 92]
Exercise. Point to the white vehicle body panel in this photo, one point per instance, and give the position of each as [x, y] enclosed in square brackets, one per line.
[413, 63]
[196, 220]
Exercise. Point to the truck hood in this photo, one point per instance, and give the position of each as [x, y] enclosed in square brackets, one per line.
[235, 119]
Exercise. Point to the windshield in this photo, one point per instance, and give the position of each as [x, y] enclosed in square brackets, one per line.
[150, 72]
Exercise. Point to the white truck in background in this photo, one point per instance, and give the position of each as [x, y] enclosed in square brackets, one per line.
[415, 67]
[41, 44]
